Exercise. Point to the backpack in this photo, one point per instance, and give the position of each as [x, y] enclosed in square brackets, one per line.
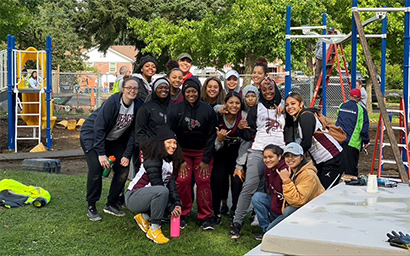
[335, 131]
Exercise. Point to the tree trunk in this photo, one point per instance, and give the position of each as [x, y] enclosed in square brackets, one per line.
[369, 105]
[309, 60]
[250, 60]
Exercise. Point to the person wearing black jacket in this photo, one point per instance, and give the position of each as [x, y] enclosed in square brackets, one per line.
[153, 114]
[144, 73]
[194, 123]
[153, 189]
[110, 130]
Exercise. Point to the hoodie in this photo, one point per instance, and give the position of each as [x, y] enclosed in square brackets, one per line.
[194, 125]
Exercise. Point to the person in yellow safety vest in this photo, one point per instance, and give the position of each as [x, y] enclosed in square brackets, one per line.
[125, 72]
[25, 77]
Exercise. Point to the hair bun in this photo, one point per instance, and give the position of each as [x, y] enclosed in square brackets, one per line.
[262, 61]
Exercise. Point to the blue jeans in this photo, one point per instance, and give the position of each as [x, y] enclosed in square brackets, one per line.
[288, 211]
[261, 203]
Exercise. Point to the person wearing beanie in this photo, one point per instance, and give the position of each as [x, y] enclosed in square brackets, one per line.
[185, 63]
[153, 113]
[300, 183]
[353, 119]
[153, 191]
[194, 122]
[143, 75]
[110, 130]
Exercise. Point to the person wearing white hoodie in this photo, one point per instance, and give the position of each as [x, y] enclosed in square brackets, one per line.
[144, 73]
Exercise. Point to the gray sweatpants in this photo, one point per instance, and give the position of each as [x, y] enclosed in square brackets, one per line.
[150, 200]
[254, 181]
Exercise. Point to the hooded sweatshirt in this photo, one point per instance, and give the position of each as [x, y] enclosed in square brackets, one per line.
[144, 88]
[274, 186]
[238, 88]
[194, 125]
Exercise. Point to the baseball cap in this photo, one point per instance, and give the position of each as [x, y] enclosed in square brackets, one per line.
[355, 93]
[331, 30]
[232, 73]
[293, 148]
[184, 55]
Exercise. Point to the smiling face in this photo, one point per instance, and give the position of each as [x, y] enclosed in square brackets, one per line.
[129, 90]
[149, 69]
[191, 95]
[293, 106]
[185, 65]
[233, 105]
[268, 91]
[293, 161]
[162, 91]
[232, 82]
[175, 79]
[270, 159]
[212, 89]
[170, 146]
[251, 99]
[258, 75]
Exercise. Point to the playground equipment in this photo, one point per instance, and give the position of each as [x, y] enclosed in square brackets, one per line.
[37, 108]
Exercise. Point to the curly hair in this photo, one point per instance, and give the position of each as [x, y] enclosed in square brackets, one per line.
[262, 62]
[155, 149]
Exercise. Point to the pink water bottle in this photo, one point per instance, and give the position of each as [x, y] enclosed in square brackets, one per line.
[175, 228]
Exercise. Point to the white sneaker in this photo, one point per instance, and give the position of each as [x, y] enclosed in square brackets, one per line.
[255, 221]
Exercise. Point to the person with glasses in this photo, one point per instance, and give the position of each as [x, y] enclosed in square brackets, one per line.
[300, 182]
[110, 130]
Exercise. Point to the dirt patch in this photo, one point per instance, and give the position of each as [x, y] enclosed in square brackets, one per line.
[67, 140]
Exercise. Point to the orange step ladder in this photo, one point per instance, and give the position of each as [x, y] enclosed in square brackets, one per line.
[403, 133]
[332, 56]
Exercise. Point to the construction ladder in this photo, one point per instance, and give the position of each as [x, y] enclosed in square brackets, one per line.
[331, 56]
[403, 131]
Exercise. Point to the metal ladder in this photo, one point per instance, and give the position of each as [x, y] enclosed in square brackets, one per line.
[36, 128]
[403, 131]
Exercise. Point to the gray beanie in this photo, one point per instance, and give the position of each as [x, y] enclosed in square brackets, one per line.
[159, 81]
[250, 89]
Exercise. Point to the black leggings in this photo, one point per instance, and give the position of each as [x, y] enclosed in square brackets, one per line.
[223, 167]
[95, 170]
[330, 172]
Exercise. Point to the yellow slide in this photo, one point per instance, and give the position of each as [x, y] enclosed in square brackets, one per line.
[22, 57]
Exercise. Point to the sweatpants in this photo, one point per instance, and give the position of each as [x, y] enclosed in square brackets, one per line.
[150, 200]
[223, 168]
[254, 181]
[203, 185]
[351, 160]
[95, 170]
[330, 172]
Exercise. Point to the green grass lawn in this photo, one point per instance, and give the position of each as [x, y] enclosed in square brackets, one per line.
[62, 227]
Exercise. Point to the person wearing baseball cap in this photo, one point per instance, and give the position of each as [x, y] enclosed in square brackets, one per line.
[354, 120]
[300, 182]
[185, 62]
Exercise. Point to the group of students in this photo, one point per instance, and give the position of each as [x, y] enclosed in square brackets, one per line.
[211, 135]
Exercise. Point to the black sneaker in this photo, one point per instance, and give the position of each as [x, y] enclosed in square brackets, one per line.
[235, 232]
[92, 214]
[217, 220]
[259, 237]
[224, 210]
[183, 222]
[113, 210]
[121, 205]
[208, 224]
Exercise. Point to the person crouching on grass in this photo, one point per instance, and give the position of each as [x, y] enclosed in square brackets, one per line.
[153, 189]
[268, 205]
[300, 182]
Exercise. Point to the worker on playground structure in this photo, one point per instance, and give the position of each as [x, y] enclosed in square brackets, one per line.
[125, 72]
[319, 57]
[353, 119]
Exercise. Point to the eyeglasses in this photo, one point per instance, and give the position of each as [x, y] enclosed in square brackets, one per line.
[131, 89]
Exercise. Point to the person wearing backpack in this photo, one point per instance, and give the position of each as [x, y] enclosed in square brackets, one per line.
[353, 119]
[309, 132]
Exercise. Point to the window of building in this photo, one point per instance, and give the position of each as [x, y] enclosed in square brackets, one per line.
[113, 68]
[90, 65]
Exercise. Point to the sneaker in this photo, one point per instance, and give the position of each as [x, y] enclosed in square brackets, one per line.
[224, 210]
[183, 222]
[255, 221]
[92, 214]
[121, 205]
[113, 210]
[142, 223]
[157, 236]
[207, 224]
[235, 232]
[217, 220]
[259, 237]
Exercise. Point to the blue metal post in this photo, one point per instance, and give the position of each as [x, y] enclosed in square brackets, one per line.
[324, 69]
[354, 49]
[383, 65]
[288, 78]
[11, 97]
[49, 90]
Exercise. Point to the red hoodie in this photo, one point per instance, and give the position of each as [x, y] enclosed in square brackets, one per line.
[274, 186]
